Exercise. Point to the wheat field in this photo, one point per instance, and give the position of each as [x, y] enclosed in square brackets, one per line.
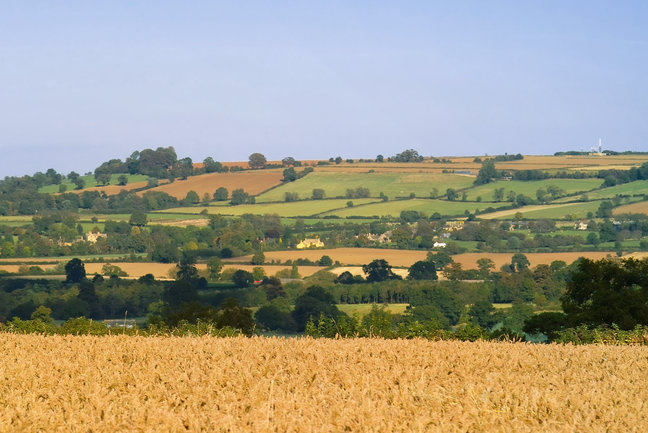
[171, 384]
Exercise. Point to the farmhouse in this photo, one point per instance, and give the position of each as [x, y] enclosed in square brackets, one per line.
[310, 243]
[581, 225]
[94, 237]
[439, 245]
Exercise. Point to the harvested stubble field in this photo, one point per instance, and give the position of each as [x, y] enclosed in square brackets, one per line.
[641, 207]
[405, 258]
[163, 384]
[251, 181]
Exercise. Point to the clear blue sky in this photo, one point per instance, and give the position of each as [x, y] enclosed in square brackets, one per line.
[82, 81]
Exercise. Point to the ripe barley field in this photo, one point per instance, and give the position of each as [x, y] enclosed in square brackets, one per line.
[171, 384]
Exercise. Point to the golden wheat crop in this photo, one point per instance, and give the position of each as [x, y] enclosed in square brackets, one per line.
[146, 384]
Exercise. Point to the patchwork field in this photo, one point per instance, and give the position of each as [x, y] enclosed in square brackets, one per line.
[121, 383]
[393, 185]
[251, 181]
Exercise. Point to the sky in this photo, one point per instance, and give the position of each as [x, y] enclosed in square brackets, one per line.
[83, 82]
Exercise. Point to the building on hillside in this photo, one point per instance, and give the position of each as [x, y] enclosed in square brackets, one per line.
[581, 225]
[451, 226]
[94, 237]
[310, 243]
[439, 245]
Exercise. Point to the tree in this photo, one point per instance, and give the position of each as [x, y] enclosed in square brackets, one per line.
[315, 302]
[233, 315]
[482, 314]
[422, 270]
[607, 292]
[519, 262]
[221, 194]
[138, 218]
[101, 178]
[487, 173]
[75, 271]
[325, 261]
[242, 278]
[239, 197]
[485, 265]
[214, 267]
[191, 198]
[122, 180]
[257, 160]
[178, 293]
[289, 175]
[318, 193]
[380, 158]
[211, 166]
[258, 258]
[379, 270]
[288, 161]
[451, 194]
[272, 288]
[187, 270]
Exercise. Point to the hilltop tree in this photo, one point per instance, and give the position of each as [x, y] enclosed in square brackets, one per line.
[257, 160]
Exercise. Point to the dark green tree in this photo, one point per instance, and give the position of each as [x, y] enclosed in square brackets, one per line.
[242, 278]
[138, 218]
[607, 292]
[422, 270]
[313, 303]
[221, 194]
[257, 160]
[379, 270]
[487, 173]
[74, 271]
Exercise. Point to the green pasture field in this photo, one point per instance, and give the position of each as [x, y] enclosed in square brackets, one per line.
[559, 211]
[309, 222]
[289, 209]
[637, 187]
[363, 309]
[15, 221]
[90, 182]
[391, 184]
[530, 187]
[427, 206]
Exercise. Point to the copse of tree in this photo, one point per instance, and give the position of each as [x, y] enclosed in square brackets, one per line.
[379, 270]
[607, 292]
[487, 173]
[211, 166]
[409, 155]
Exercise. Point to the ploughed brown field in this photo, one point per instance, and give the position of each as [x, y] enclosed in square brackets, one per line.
[170, 384]
[251, 181]
[405, 258]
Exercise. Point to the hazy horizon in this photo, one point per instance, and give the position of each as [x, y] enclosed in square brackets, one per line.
[83, 83]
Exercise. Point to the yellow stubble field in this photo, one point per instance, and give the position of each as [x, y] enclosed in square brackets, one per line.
[172, 384]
